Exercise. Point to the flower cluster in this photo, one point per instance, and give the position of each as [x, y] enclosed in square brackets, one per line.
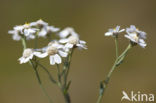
[132, 33]
[32, 30]
[68, 39]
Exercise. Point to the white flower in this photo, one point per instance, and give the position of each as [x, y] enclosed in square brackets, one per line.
[54, 51]
[27, 55]
[23, 30]
[16, 32]
[73, 41]
[133, 29]
[39, 23]
[15, 35]
[19, 28]
[136, 36]
[30, 33]
[114, 32]
[47, 30]
[67, 32]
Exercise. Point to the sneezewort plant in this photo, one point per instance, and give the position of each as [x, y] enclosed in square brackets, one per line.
[136, 37]
[59, 52]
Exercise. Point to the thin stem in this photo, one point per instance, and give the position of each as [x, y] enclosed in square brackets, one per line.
[99, 99]
[36, 42]
[65, 73]
[67, 98]
[116, 46]
[36, 72]
[24, 43]
[68, 66]
[46, 70]
[106, 81]
[125, 51]
[59, 74]
[41, 86]
[49, 37]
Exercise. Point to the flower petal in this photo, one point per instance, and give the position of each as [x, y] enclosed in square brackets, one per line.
[122, 30]
[81, 46]
[68, 45]
[108, 34]
[117, 28]
[40, 55]
[52, 61]
[82, 42]
[63, 54]
[63, 40]
[57, 59]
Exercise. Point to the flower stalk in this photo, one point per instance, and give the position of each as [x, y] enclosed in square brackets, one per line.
[66, 85]
[36, 72]
[40, 82]
[118, 61]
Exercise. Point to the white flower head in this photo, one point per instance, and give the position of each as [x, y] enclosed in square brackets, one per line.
[28, 55]
[47, 30]
[29, 32]
[15, 35]
[16, 32]
[73, 41]
[23, 31]
[67, 32]
[39, 23]
[136, 36]
[114, 32]
[55, 51]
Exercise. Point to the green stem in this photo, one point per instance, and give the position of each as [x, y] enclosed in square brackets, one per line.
[36, 42]
[68, 66]
[46, 70]
[65, 73]
[99, 99]
[116, 46]
[125, 51]
[106, 81]
[67, 98]
[36, 72]
[59, 75]
[41, 86]
[24, 43]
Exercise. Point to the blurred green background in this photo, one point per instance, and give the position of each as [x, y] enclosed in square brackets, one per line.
[91, 19]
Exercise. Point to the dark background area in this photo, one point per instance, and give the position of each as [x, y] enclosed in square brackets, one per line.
[91, 19]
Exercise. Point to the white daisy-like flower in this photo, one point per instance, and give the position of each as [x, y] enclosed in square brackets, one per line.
[23, 30]
[39, 23]
[114, 32]
[20, 28]
[47, 30]
[73, 41]
[136, 36]
[28, 55]
[16, 32]
[67, 32]
[29, 32]
[15, 35]
[55, 51]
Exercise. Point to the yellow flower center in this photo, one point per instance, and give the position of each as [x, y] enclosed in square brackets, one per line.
[26, 25]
